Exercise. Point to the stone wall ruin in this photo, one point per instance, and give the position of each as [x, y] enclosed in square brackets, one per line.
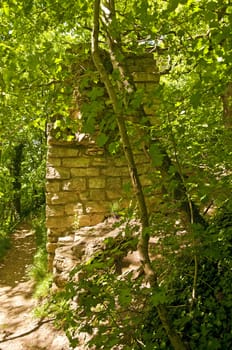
[85, 184]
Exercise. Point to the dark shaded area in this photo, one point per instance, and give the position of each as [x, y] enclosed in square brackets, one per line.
[14, 265]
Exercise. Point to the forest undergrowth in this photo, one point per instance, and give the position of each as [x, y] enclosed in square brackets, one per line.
[119, 311]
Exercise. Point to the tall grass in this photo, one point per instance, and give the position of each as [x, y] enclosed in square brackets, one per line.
[4, 242]
[38, 272]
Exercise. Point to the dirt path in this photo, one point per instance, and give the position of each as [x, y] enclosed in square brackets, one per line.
[19, 329]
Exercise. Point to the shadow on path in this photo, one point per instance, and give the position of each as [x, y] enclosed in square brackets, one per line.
[18, 258]
[19, 329]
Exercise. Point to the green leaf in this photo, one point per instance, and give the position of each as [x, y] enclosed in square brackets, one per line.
[102, 139]
[6, 8]
[96, 92]
[113, 147]
[158, 298]
[173, 4]
[124, 297]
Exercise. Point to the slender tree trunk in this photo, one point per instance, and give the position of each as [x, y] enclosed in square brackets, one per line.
[190, 212]
[17, 162]
[227, 106]
[144, 237]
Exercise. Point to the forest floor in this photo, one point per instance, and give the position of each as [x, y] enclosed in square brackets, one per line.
[19, 328]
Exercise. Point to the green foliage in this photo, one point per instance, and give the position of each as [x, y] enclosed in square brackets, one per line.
[22, 174]
[110, 302]
[38, 272]
[38, 225]
[6, 198]
[46, 70]
[120, 309]
[4, 242]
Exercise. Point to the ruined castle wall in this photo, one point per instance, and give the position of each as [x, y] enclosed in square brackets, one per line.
[85, 183]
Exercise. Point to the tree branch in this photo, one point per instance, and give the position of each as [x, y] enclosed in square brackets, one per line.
[21, 335]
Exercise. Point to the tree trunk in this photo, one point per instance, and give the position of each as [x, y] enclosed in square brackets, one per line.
[144, 236]
[17, 161]
[227, 106]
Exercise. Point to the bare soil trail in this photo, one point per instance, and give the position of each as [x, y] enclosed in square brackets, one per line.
[19, 329]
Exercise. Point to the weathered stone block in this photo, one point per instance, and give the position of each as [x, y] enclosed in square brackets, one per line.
[57, 173]
[55, 210]
[141, 158]
[76, 172]
[84, 220]
[97, 194]
[74, 209]
[84, 195]
[141, 63]
[100, 161]
[76, 162]
[53, 186]
[90, 220]
[96, 219]
[60, 222]
[63, 198]
[59, 152]
[57, 232]
[76, 184]
[53, 162]
[124, 171]
[119, 161]
[94, 151]
[145, 77]
[49, 197]
[144, 169]
[114, 183]
[96, 207]
[97, 183]
[51, 235]
[115, 171]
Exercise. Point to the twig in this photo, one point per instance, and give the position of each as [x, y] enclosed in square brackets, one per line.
[39, 324]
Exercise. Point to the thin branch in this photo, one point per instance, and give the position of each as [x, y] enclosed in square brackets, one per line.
[21, 335]
[43, 84]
